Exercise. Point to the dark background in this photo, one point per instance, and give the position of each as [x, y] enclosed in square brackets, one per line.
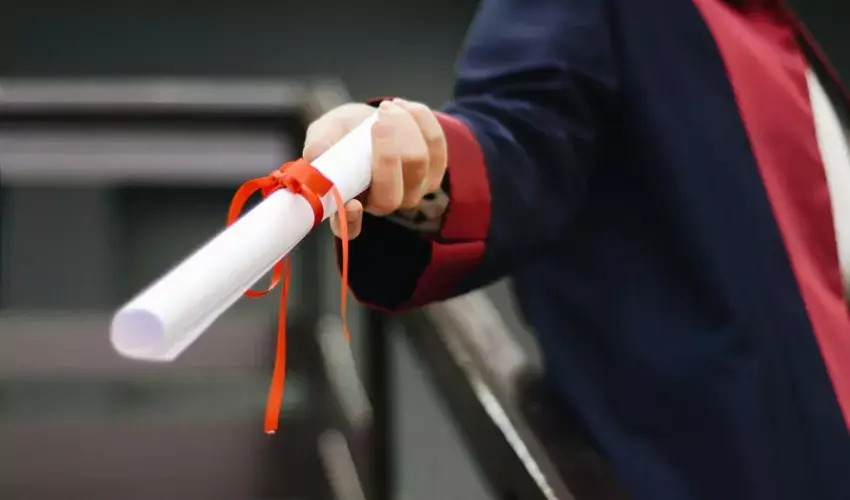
[375, 46]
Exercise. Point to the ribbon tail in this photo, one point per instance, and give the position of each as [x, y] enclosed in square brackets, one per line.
[275, 400]
[302, 179]
[343, 230]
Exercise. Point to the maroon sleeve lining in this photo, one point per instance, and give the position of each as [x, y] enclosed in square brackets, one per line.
[395, 268]
[468, 216]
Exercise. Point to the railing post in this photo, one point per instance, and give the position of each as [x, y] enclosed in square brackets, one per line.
[378, 380]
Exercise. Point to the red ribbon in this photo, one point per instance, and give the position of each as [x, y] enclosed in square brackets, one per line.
[302, 179]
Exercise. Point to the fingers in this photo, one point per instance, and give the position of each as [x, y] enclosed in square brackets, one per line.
[320, 137]
[332, 126]
[435, 142]
[415, 160]
[408, 155]
[399, 142]
[386, 192]
[354, 218]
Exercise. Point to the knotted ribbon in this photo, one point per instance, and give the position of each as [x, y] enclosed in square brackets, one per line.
[303, 179]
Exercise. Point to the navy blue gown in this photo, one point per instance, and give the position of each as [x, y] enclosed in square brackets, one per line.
[647, 171]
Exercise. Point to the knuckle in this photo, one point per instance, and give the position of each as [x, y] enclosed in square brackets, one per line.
[339, 119]
[385, 194]
[417, 108]
[414, 169]
[434, 184]
[384, 204]
[383, 129]
[385, 160]
[435, 178]
[438, 155]
[411, 200]
[435, 140]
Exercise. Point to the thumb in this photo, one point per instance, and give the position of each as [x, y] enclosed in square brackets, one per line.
[316, 145]
[332, 126]
[353, 217]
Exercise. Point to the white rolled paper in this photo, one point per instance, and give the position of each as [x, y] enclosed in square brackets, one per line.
[173, 312]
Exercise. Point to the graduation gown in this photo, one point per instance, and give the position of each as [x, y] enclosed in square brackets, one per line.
[648, 173]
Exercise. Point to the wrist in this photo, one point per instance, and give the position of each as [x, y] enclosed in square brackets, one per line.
[427, 217]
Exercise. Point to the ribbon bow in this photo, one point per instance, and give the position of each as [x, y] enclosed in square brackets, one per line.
[305, 180]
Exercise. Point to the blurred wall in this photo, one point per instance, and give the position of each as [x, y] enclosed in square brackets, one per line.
[377, 47]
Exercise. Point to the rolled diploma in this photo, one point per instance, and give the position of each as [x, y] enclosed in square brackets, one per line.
[172, 313]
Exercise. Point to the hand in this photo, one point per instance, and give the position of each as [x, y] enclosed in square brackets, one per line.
[408, 155]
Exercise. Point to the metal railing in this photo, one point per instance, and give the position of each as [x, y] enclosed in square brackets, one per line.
[521, 438]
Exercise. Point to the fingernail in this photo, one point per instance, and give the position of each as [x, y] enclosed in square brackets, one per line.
[390, 107]
[353, 213]
[313, 150]
[400, 101]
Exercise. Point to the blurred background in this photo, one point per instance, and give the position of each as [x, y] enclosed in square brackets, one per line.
[124, 130]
